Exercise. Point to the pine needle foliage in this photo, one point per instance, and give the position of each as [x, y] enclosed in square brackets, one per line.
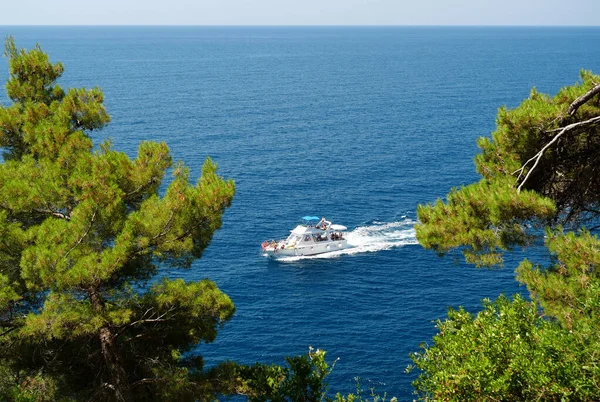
[86, 310]
[514, 194]
[540, 176]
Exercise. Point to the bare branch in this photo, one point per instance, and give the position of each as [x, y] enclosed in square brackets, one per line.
[52, 212]
[166, 228]
[146, 381]
[160, 318]
[82, 237]
[144, 320]
[190, 230]
[583, 99]
[98, 395]
[133, 338]
[538, 155]
[141, 187]
[8, 331]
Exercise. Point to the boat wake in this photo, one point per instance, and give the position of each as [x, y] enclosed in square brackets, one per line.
[375, 236]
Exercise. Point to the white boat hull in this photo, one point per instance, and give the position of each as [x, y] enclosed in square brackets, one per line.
[307, 250]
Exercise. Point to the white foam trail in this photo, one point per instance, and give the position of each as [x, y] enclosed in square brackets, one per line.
[374, 237]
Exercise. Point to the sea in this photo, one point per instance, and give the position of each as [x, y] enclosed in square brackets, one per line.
[356, 124]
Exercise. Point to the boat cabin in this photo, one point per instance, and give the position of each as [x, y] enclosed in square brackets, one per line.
[311, 234]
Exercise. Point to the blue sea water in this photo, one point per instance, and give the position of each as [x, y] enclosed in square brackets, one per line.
[358, 124]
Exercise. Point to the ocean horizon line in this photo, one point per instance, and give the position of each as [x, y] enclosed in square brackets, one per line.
[296, 26]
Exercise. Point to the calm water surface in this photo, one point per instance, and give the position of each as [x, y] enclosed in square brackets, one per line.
[356, 124]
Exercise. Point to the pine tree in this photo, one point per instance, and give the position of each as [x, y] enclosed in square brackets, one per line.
[540, 177]
[87, 236]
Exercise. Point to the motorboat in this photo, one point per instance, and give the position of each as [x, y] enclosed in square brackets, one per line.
[309, 239]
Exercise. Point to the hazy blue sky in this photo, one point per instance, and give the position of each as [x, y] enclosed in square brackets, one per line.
[300, 12]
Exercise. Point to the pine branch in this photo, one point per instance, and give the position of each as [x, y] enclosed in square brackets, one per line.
[166, 228]
[159, 318]
[583, 99]
[84, 235]
[539, 155]
[141, 187]
[53, 212]
[8, 331]
[146, 381]
[144, 320]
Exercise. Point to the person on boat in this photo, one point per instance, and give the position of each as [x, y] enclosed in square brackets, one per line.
[322, 224]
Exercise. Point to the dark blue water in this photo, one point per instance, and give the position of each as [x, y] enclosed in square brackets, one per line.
[356, 124]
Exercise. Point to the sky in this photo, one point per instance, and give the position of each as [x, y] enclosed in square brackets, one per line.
[299, 12]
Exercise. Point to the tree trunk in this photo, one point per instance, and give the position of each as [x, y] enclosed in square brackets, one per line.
[118, 378]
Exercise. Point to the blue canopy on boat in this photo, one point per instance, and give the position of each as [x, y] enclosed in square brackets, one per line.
[310, 218]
